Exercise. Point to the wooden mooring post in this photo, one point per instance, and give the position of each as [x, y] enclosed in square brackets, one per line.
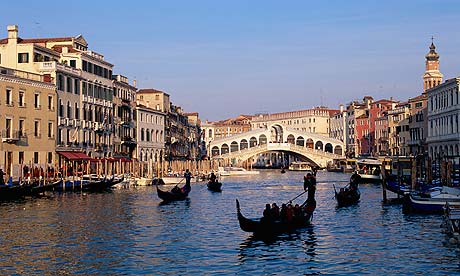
[384, 183]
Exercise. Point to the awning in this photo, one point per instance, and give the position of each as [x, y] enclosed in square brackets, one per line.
[74, 155]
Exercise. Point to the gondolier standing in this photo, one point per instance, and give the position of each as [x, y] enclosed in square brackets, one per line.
[309, 183]
[187, 176]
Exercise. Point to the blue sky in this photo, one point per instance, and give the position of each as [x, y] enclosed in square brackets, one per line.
[225, 58]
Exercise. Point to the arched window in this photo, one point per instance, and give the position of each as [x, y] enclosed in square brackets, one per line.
[147, 132]
[77, 111]
[142, 134]
[61, 109]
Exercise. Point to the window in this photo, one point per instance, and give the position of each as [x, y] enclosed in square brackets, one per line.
[50, 130]
[37, 128]
[37, 100]
[8, 128]
[60, 82]
[23, 57]
[21, 99]
[85, 66]
[69, 85]
[9, 97]
[50, 103]
[76, 87]
[73, 63]
[77, 112]
[21, 127]
[36, 157]
[21, 157]
[50, 158]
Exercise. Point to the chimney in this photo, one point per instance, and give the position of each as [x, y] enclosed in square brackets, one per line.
[134, 83]
[12, 33]
[65, 50]
[341, 108]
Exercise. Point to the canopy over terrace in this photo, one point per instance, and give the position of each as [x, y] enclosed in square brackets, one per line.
[74, 155]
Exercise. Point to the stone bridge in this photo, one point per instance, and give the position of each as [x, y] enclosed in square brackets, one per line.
[316, 148]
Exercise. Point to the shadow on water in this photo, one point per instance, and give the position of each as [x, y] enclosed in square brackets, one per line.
[185, 202]
[256, 247]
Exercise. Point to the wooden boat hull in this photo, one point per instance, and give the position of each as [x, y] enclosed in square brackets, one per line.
[418, 204]
[10, 192]
[174, 196]
[215, 186]
[365, 178]
[347, 197]
[270, 228]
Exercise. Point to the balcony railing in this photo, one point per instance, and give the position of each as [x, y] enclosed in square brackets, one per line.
[9, 136]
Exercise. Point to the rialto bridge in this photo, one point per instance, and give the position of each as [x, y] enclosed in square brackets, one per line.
[317, 149]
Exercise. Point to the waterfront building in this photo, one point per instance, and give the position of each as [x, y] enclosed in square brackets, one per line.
[194, 139]
[354, 110]
[338, 125]
[27, 122]
[443, 119]
[124, 106]
[382, 145]
[418, 127]
[362, 134]
[378, 110]
[398, 129]
[83, 80]
[150, 127]
[315, 120]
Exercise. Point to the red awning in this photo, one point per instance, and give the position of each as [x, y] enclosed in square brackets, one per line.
[74, 155]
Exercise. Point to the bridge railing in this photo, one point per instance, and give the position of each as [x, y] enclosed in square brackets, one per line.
[238, 137]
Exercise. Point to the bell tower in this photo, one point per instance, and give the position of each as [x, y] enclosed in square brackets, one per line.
[432, 76]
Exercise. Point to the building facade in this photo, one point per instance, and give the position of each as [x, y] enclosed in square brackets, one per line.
[27, 122]
[443, 119]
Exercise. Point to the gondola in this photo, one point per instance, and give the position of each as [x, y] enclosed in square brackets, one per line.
[214, 186]
[348, 195]
[85, 185]
[175, 194]
[264, 228]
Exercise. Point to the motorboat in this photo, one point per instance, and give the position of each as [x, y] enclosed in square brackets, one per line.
[369, 171]
[300, 166]
[234, 171]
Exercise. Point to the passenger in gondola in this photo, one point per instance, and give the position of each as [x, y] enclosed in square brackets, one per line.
[213, 178]
[267, 215]
[289, 213]
[283, 211]
[188, 176]
[275, 211]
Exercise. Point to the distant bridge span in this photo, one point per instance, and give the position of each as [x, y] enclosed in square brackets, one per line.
[317, 148]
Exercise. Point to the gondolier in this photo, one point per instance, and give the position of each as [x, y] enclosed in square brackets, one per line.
[187, 176]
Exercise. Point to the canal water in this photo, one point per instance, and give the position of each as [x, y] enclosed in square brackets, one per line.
[129, 232]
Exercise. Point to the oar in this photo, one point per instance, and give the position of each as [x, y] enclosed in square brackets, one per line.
[298, 196]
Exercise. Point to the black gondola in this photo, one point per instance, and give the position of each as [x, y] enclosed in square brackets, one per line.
[267, 228]
[214, 186]
[348, 195]
[175, 194]
[85, 185]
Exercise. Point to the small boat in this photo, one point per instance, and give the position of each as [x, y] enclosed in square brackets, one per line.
[85, 185]
[175, 193]
[300, 166]
[269, 228]
[214, 186]
[369, 171]
[431, 201]
[234, 171]
[342, 165]
[10, 192]
[347, 195]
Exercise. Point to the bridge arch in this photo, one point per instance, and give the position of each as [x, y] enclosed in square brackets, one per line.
[224, 149]
[276, 133]
[338, 150]
[309, 143]
[215, 151]
[234, 146]
[300, 141]
[262, 139]
[252, 142]
[319, 145]
[244, 144]
[328, 147]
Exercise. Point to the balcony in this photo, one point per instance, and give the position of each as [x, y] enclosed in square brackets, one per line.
[10, 137]
[128, 141]
[127, 124]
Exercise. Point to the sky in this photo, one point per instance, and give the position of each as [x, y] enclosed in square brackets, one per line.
[226, 58]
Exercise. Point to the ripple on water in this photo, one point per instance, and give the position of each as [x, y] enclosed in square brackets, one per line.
[130, 232]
